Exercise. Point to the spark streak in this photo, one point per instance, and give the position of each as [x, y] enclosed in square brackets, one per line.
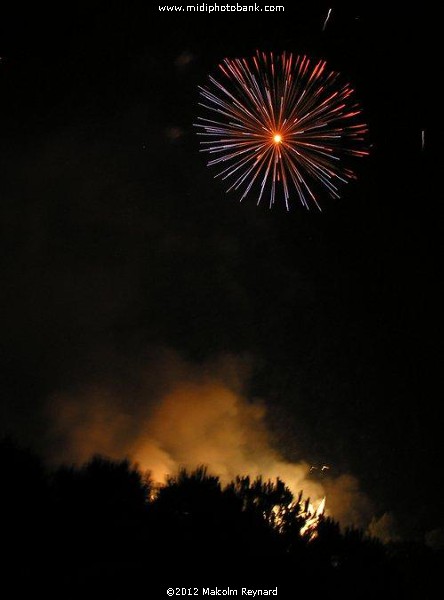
[327, 19]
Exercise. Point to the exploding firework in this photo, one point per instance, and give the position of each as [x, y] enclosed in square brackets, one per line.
[284, 124]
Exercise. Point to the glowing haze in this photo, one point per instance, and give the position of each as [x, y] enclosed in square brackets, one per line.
[179, 415]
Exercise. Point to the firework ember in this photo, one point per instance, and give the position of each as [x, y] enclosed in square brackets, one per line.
[284, 124]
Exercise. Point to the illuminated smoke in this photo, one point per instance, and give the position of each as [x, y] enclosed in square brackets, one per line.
[181, 416]
[384, 528]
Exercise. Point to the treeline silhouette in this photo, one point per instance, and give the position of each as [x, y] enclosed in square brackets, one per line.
[105, 520]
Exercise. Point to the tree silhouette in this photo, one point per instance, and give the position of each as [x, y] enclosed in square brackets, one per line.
[24, 502]
[102, 508]
[105, 516]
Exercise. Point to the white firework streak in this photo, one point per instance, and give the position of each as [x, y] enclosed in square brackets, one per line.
[327, 19]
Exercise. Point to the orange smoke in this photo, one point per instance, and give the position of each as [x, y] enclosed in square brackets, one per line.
[189, 419]
[209, 424]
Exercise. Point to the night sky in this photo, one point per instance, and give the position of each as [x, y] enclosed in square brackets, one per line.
[117, 241]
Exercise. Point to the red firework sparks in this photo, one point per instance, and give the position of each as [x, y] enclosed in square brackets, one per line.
[284, 124]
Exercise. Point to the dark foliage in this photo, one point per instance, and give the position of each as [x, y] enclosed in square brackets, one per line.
[102, 522]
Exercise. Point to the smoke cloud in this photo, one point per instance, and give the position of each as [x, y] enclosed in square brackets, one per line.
[385, 528]
[178, 415]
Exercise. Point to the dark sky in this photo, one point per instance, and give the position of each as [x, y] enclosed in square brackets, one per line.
[117, 240]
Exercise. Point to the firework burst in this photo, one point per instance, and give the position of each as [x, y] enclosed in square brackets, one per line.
[283, 125]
